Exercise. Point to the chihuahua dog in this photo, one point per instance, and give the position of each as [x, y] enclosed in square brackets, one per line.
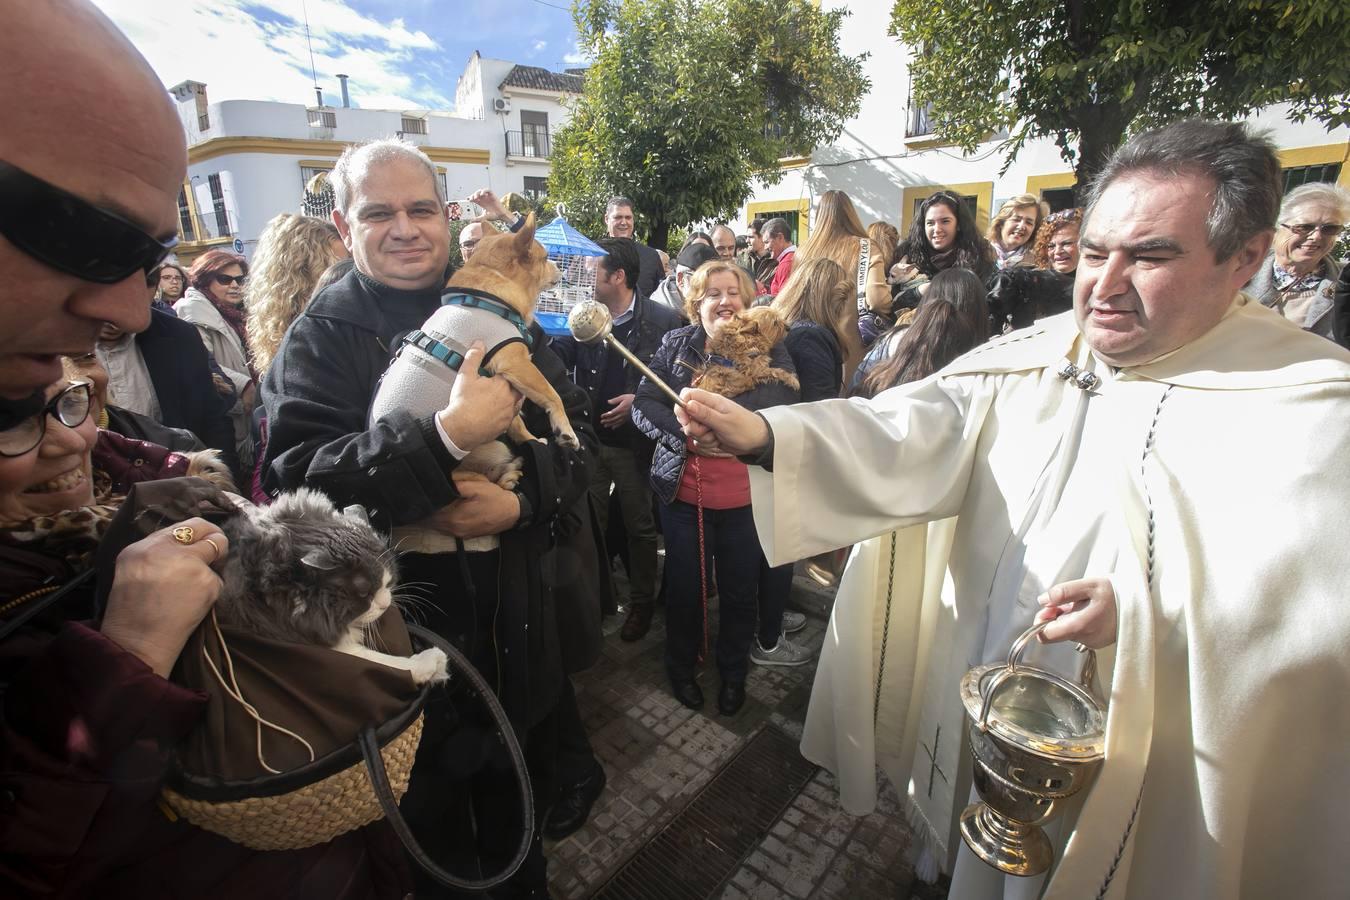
[504, 276]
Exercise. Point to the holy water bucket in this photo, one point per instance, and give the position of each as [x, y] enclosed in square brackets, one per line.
[1037, 739]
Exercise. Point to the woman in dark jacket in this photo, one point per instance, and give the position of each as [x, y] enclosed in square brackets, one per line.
[705, 497]
[942, 236]
[1019, 295]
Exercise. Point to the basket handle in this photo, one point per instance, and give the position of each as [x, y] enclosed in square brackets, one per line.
[379, 778]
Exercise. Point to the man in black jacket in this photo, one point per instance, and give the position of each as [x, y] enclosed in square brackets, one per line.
[495, 604]
[619, 223]
[624, 458]
[179, 369]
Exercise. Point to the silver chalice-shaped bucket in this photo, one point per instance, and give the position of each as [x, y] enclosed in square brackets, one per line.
[1037, 739]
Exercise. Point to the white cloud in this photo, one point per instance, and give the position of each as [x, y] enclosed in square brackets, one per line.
[243, 55]
[577, 57]
[538, 45]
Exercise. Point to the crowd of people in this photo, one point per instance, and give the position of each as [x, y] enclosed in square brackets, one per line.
[1206, 309]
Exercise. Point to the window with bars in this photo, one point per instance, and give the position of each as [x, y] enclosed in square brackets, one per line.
[185, 230]
[322, 118]
[222, 216]
[1299, 175]
[1058, 198]
[535, 188]
[413, 125]
[969, 201]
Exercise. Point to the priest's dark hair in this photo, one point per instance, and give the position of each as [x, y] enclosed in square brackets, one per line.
[953, 318]
[1240, 160]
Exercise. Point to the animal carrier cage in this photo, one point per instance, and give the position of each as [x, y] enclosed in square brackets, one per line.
[576, 257]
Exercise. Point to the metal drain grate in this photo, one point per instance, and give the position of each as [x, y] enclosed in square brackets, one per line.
[702, 846]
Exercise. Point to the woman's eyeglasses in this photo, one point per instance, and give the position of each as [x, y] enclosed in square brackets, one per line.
[1304, 229]
[223, 279]
[70, 407]
[70, 234]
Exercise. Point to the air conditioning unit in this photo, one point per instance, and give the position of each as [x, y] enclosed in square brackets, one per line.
[501, 105]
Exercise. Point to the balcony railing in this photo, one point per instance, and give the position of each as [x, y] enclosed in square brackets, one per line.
[534, 144]
[322, 118]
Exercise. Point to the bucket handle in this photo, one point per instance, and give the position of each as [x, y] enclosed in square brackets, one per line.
[1085, 676]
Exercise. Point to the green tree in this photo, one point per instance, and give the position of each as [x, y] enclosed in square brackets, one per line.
[687, 104]
[1087, 74]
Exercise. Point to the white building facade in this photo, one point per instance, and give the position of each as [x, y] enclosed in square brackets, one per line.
[887, 161]
[250, 160]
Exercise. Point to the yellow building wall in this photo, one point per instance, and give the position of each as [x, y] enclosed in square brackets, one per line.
[982, 190]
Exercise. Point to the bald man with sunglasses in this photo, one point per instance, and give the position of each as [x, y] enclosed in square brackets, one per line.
[92, 156]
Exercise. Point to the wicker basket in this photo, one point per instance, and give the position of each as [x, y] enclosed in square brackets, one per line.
[313, 814]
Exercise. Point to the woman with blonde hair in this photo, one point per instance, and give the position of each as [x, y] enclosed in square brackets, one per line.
[1020, 295]
[817, 305]
[1014, 227]
[838, 234]
[704, 497]
[292, 253]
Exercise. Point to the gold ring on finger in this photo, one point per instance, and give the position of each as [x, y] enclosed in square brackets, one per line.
[184, 534]
[214, 547]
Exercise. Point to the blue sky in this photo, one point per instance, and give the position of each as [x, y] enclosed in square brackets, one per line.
[400, 54]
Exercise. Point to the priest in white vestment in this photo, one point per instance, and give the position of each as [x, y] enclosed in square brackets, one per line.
[1203, 469]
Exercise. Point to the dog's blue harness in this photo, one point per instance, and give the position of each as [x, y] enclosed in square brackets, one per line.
[452, 356]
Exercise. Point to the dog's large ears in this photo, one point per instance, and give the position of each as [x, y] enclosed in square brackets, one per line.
[525, 236]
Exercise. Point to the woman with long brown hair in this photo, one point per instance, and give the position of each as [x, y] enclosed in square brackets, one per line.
[838, 235]
[817, 305]
[952, 319]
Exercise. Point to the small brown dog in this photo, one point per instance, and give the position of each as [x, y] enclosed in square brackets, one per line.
[501, 283]
[746, 341]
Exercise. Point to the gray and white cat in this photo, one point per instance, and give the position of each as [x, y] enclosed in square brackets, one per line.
[302, 571]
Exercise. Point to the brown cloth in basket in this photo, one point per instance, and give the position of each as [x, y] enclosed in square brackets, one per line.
[323, 695]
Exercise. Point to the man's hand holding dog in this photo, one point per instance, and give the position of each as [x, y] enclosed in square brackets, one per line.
[480, 409]
[482, 509]
[726, 425]
[621, 412]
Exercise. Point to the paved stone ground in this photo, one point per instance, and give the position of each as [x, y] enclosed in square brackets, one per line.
[658, 755]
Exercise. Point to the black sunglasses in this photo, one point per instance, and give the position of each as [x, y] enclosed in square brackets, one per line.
[70, 407]
[222, 279]
[72, 235]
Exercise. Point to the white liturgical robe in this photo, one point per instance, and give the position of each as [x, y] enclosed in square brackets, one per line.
[1212, 485]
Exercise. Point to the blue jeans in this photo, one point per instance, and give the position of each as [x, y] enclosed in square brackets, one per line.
[732, 547]
[775, 583]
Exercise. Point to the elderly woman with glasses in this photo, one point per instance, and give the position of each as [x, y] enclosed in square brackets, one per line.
[62, 479]
[1298, 278]
[214, 302]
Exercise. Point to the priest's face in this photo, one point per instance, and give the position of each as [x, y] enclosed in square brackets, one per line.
[1147, 279]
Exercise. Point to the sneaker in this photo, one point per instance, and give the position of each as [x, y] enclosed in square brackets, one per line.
[785, 654]
[793, 622]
